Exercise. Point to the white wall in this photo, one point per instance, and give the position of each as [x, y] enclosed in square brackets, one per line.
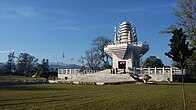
[116, 59]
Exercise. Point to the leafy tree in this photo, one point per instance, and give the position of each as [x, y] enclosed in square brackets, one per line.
[10, 65]
[192, 64]
[26, 63]
[92, 59]
[2, 69]
[53, 72]
[185, 12]
[180, 52]
[38, 69]
[186, 19]
[175, 64]
[45, 66]
[98, 45]
[152, 62]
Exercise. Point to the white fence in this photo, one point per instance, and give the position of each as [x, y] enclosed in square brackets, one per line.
[161, 74]
[75, 71]
[157, 74]
[171, 70]
[68, 73]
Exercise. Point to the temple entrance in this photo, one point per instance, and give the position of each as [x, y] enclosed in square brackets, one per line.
[122, 64]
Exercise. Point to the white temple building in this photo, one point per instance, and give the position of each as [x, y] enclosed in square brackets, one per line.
[126, 51]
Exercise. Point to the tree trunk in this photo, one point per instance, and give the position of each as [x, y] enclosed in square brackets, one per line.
[25, 73]
[183, 91]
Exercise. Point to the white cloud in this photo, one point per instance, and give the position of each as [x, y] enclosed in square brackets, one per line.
[58, 18]
[25, 11]
[60, 12]
[6, 51]
[17, 12]
[70, 28]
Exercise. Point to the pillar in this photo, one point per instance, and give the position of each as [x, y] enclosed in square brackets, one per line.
[148, 70]
[163, 70]
[155, 70]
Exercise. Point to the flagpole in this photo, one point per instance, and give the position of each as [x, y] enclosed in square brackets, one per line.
[63, 58]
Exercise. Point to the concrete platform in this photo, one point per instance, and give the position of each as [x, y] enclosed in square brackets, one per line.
[99, 78]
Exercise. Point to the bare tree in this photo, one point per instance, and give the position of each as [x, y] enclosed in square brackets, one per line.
[98, 45]
[92, 59]
[10, 65]
[81, 60]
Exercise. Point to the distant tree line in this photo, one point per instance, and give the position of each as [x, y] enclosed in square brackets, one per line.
[26, 65]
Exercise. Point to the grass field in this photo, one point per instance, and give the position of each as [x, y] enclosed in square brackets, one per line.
[19, 79]
[92, 97]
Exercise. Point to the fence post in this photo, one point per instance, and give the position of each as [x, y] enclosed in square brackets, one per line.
[59, 71]
[155, 70]
[163, 70]
[171, 74]
[148, 70]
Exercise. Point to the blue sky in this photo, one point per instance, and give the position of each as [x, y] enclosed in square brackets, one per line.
[47, 28]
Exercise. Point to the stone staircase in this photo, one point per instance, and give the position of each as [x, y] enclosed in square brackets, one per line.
[102, 77]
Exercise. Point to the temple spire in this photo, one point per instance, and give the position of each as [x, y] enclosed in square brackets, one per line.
[115, 35]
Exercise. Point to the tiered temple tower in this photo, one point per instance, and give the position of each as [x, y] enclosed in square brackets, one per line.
[126, 51]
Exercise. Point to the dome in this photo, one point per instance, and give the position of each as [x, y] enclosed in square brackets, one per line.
[125, 22]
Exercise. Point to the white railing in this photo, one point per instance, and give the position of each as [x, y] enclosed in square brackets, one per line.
[161, 74]
[171, 70]
[75, 71]
[157, 74]
[134, 43]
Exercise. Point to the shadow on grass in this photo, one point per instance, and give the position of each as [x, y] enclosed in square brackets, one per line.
[191, 80]
[30, 88]
[172, 84]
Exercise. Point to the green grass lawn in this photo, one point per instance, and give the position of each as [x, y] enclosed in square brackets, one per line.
[19, 79]
[92, 97]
